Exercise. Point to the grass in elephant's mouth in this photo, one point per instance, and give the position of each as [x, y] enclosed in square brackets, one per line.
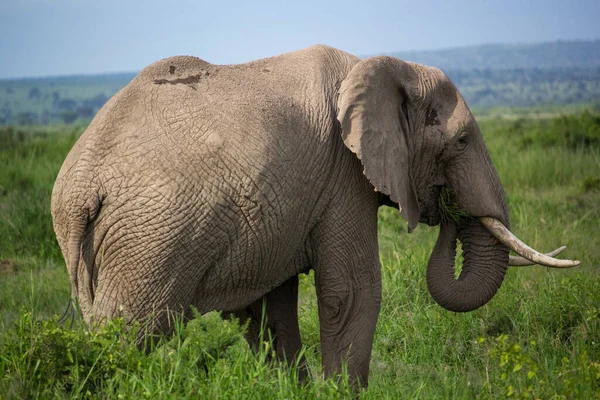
[449, 209]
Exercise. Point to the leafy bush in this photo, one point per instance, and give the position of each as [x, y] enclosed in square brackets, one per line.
[514, 372]
[207, 358]
[571, 131]
[512, 360]
[203, 340]
[46, 357]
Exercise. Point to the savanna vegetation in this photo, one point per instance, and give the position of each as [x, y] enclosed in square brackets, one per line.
[538, 338]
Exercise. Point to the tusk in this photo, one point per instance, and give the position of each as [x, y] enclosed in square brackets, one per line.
[505, 236]
[518, 261]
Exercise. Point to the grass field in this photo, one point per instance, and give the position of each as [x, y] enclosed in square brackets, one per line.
[539, 337]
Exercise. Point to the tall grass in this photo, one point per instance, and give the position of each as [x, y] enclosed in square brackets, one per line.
[537, 338]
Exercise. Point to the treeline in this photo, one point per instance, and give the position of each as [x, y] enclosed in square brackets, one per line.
[522, 87]
[66, 110]
[56, 100]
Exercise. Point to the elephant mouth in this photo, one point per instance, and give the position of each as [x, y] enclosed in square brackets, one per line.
[450, 212]
[431, 219]
[431, 211]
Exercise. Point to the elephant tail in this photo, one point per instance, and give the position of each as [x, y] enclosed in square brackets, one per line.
[80, 270]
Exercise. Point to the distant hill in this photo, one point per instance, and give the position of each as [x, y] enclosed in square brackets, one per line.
[492, 75]
[518, 75]
[561, 54]
[525, 87]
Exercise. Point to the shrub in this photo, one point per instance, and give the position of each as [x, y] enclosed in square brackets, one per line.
[572, 131]
[513, 372]
[45, 358]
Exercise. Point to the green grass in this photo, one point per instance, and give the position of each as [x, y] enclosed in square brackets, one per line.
[539, 337]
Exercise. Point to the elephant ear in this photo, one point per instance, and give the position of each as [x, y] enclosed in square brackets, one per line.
[373, 109]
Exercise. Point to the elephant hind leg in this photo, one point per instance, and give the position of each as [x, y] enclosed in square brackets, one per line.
[281, 320]
[153, 301]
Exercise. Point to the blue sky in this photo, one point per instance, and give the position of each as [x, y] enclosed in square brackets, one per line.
[58, 37]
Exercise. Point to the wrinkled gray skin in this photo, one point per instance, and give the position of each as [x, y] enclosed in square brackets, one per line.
[215, 186]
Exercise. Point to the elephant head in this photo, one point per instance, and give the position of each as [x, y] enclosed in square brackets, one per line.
[416, 137]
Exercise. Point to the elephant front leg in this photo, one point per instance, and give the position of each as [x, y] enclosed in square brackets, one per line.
[281, 321]
[348, 283]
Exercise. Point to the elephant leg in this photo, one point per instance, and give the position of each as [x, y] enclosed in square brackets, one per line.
[348, 285]
[281, 306]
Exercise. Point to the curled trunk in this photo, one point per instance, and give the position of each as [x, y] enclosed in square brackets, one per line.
[484, 266]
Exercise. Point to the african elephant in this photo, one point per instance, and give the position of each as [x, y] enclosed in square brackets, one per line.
[214, 186]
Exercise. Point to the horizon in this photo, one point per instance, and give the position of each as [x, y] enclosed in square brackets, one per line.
[523, 44]
[50, 38]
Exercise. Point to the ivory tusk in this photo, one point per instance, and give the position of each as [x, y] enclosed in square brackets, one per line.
[518, 261]
[505, 236]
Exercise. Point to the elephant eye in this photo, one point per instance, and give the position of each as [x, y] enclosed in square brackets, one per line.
[461, 144]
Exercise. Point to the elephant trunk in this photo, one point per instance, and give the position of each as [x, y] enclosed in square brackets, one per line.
[484, 266]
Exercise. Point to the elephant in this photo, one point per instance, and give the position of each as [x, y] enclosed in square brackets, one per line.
[215, 186]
